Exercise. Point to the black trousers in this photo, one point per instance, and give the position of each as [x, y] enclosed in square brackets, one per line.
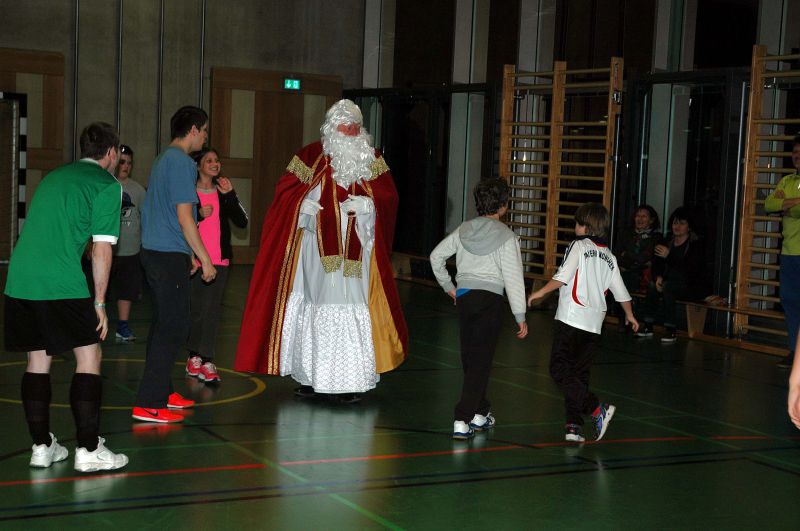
[206, 302]
[479, 317]
[570, 363]
[168, 277]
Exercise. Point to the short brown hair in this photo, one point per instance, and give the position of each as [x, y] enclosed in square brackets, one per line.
[96, 139]
[595, 218]
[491, 195]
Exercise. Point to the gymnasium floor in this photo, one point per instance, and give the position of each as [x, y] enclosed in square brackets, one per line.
[700, 440]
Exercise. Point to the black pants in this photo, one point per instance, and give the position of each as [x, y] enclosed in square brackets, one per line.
[206, 304]
[479, 317]
[168, 277]
[672, 289]
[570, 363]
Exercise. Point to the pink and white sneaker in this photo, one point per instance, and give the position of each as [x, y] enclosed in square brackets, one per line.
[193, 365]
[208, 373]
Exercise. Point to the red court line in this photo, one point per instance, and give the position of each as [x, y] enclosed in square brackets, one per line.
[740, 437]
[401, 456]
[475, 450]
[374, 458]
[131, 474]
[617, 441]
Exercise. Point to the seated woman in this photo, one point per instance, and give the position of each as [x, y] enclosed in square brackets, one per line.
[678, 273]
[635, 248]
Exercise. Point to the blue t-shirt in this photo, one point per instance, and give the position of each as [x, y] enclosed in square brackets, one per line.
[172, 182]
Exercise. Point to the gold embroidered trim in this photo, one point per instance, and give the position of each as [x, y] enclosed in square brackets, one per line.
[299, 168]
[378, 168]
[284, 288]
[331, 263]
[285, 281]
[352, 268]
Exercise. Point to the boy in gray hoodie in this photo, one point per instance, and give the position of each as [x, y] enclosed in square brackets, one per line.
[488, 261]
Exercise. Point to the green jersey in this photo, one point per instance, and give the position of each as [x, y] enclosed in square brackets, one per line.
[791, 218]
[72, 204]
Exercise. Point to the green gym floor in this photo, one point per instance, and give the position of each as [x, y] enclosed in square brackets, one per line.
[700, 439]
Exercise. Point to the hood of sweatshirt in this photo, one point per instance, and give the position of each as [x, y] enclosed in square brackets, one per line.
[482, 236]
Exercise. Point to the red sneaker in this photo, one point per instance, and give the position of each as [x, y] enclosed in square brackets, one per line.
[156, 415]
[208, 373]
[176, 401]
[193, 366]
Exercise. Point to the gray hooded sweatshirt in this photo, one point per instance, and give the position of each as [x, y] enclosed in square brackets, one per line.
[487, 258]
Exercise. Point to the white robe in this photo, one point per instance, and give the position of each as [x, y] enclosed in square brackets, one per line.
[327, 333]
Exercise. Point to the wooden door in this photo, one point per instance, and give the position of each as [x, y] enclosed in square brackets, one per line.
[257, 126]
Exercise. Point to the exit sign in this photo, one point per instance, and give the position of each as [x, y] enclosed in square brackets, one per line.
[291, 84]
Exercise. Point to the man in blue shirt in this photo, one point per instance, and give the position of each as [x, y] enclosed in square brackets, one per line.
[169, 237]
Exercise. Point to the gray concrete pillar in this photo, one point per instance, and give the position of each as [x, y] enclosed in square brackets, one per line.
[379, 20]
[466, 110]
[673, 49]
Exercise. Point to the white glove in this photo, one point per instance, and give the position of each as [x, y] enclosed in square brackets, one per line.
[310, 207]
[358, 204]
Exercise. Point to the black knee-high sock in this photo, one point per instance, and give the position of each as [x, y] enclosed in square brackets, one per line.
[84, 397]
[36, 402]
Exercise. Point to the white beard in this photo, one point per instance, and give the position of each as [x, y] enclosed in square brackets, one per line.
[351, 156]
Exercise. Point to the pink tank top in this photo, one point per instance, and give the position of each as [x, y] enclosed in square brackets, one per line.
[210, 228]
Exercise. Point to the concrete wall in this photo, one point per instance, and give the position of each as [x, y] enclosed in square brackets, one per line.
[305, 36]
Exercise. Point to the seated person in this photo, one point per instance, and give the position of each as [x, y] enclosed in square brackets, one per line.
[678, 268]
[635, 247]
[634, 251]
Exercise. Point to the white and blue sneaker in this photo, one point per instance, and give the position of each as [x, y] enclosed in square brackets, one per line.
[601, 419]
[482, 423]
[462, 431]
[45, 455]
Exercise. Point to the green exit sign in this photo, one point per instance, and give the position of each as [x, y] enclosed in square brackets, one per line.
[291, 84]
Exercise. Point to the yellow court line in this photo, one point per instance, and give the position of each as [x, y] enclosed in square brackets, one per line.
[260, 387]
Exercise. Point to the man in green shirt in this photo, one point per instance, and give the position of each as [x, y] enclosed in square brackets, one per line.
[786, 200]
[48, 308]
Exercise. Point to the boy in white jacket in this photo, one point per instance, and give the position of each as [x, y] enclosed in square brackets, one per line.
[488, 261]
[587, 271]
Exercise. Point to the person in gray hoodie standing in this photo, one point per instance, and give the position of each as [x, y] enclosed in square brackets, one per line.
[488, 261]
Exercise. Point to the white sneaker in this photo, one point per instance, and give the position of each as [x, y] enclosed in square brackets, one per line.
[573, 433]
[481, 423]
[101, 459]
[462, 430]
[44, 455]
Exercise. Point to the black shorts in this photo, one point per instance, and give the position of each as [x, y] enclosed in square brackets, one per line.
[126, 278]
[54, 326]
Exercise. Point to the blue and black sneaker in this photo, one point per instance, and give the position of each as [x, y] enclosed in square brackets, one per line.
[602, 416]
[125, 334]
[481, 422]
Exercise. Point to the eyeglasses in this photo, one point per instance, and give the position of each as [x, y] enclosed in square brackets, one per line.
[125, 150]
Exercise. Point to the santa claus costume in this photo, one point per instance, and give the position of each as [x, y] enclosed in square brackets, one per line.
[323, 306]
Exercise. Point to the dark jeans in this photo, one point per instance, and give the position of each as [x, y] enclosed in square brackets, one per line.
[168, 277]
[790, 295]
[672, 290]
[206, 302]
[570, 364]
[479, 317]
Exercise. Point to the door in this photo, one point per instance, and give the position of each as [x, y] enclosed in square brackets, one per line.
[257, 125]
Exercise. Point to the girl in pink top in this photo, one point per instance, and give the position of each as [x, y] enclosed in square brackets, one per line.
[218, 205]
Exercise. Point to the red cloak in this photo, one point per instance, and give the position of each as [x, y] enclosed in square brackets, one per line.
[274, 271]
